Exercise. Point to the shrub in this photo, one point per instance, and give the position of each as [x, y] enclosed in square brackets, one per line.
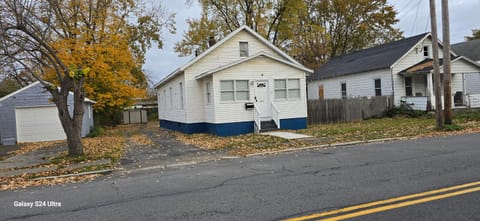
[96, 131]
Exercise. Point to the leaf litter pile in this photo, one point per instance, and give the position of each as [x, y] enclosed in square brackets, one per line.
[110, 146]
[400, 126]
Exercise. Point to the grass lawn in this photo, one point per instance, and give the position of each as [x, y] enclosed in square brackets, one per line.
[399, 126]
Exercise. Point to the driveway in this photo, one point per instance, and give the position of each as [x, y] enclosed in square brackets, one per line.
[165, 151]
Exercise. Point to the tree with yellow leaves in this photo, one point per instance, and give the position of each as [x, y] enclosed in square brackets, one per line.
[92, 48]
[312, 31]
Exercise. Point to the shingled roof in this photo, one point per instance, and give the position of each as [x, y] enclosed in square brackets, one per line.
[380, 57]
[469, 49]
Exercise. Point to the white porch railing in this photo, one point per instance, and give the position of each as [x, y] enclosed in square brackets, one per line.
[257, 118]
[416, 103]
[276, 115]
[473, 100]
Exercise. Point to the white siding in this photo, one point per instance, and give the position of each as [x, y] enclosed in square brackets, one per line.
[358, 85]
[170, 108]
[226, 53]
[410, 58]
[472, 83]
[462, 66]
[258, 69]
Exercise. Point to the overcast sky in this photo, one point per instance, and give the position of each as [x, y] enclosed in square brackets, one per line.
[413, 15]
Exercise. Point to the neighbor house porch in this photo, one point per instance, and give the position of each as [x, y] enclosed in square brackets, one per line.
[418, 83]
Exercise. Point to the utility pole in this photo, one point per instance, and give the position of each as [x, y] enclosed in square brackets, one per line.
[436, 69]
[447, 75]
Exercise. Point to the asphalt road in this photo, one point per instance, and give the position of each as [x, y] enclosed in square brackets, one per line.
[276, 187]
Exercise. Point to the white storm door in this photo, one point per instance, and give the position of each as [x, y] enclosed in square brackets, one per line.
[262, 99]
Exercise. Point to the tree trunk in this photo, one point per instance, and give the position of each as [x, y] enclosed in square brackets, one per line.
[71, 121]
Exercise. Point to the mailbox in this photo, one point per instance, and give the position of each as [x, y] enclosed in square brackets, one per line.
[248, 106]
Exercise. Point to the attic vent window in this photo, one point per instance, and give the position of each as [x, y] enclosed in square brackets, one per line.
[243, 49]
[425, 51]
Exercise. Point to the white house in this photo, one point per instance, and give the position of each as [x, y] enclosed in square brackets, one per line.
[402, 69]
[239, 85]
[471, 50]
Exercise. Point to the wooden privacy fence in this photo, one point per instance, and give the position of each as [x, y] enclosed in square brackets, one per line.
[135, 116]
[347, 110]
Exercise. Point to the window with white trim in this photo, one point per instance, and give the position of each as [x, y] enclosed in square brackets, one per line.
[344, 90]
[378, 87]
[234, 90]
[208, 89]
[164, 103]
[180, 91]
[243, 49]
[425, 51]
[287, 88]
[171, 97]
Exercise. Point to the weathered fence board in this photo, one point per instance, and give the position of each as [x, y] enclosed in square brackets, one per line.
[347, 110]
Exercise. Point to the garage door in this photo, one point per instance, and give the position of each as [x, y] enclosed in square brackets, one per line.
[38, 124]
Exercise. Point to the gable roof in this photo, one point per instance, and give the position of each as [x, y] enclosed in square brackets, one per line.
[469, 49]
[376, 58]
[32, 85]
[226, 38]
[260, 54]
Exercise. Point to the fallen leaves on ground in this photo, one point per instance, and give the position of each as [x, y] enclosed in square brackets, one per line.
[110, 146]
[140, 139]
[28, 147]
[23, 182]
[334, 133]
[238, 145]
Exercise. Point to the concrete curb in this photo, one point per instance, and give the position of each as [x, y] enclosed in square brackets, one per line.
[76, 174]
[180, 164]
[328, 145]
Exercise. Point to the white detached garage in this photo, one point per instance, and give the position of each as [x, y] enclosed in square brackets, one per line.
[29, 115]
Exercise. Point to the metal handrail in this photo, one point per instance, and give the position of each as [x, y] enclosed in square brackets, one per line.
[276, 115]
[257, 118]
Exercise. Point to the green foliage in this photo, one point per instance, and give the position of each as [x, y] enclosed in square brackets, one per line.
[468, 115]
[475, 35]
[96, 131]
[404, 110]
[452, 127]
[311, 31]
[7, 86]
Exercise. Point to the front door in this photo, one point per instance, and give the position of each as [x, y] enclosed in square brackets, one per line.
[262, 100]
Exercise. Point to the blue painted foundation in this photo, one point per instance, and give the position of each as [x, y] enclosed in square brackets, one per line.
[228, 129]
[293, 123]
[224, 129]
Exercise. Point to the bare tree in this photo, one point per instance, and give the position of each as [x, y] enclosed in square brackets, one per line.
[61, 40]
[27, 32]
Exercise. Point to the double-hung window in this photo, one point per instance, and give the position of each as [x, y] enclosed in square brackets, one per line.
[425, 51]
[408, 86]
[287, 88]
[243, 49]
[234, 90]
[378, 87]
[209, 92]
[180, 91]
[344, 90]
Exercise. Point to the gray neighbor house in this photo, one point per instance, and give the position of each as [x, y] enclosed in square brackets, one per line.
[29, 115]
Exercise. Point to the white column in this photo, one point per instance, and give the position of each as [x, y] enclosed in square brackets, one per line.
[430, 93]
